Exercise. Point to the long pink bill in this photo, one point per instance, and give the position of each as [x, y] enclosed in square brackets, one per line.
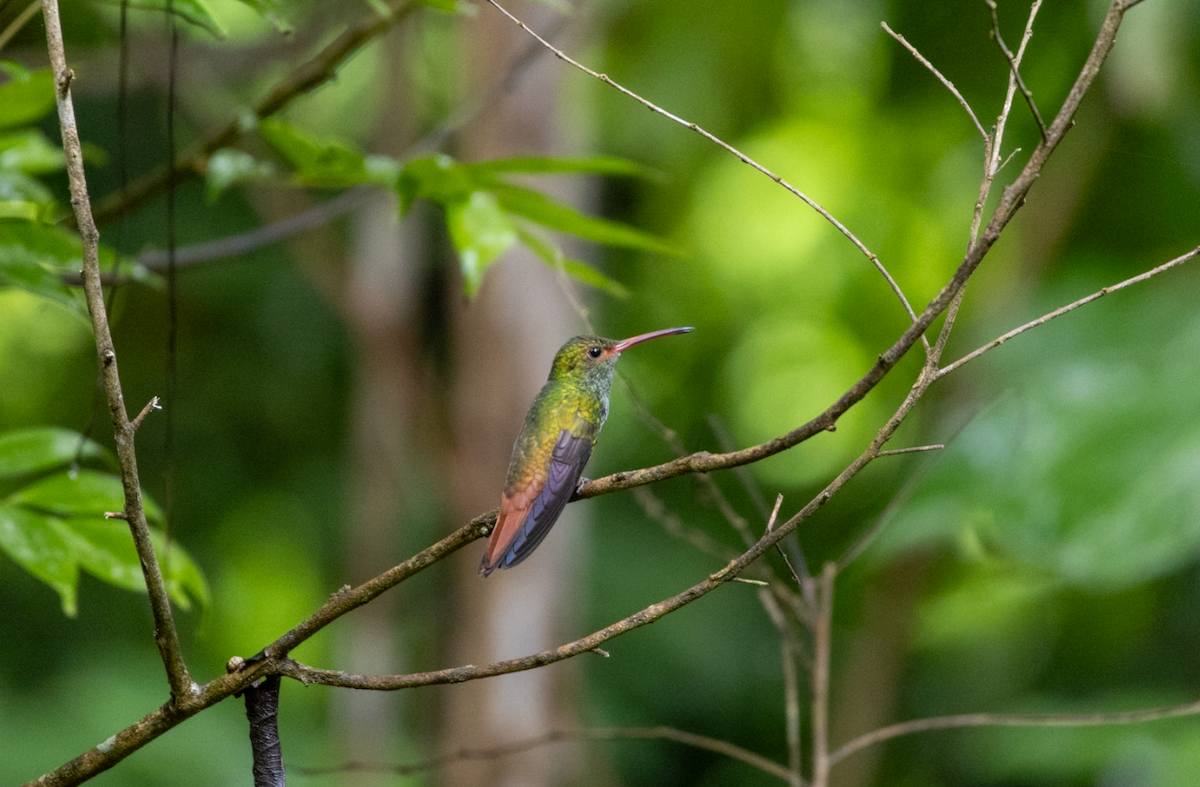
[625, 344]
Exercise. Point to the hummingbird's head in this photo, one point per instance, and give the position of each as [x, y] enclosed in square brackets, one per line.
[593, 358]
[585, 357]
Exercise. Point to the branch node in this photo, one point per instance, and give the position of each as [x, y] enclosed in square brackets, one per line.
[115, 515]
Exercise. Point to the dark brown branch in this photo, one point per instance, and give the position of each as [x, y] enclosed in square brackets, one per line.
[308, 76]
[165, 635]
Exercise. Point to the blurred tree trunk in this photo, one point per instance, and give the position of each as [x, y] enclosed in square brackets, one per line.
[504, 342]
[389, 432]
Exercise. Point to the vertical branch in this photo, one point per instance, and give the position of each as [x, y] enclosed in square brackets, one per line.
[165, 635]
[820, 678]
[262, 711]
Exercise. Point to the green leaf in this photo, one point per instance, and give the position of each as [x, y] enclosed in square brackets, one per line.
[576, 269]
[28, 451]
[194, 11]
[438, 178]
[227, 167]
[39, 544]
[480, 232]
[18, 187]
[59, 250]
[106, 551]
[24, 269]
[597, 165]
[85, 493]
[30, 152]
[15, 209]
[451, 6]
[326, 163]
[539, 208]
[269, 10]
[582, 272]
[27, 97]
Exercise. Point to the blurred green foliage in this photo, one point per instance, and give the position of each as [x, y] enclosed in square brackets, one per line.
[1046, 561]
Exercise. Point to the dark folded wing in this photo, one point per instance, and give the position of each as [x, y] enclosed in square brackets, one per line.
[567, 461]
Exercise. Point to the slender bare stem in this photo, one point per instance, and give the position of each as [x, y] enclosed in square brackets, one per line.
[946, 82]
[165, 635]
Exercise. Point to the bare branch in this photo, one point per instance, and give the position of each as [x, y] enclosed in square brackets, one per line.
[1004, 720]
[1045, 318]
[948, 84]
[165, 635]
[1013, 64]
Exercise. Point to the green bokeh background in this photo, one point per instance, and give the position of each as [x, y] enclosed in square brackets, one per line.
[1046, 561]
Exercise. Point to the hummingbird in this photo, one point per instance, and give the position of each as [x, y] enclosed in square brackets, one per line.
[555, 443]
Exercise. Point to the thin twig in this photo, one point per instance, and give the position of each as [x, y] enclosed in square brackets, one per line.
[912, 50]
[1012, 64]
[165, 635]
[912, 450]
[1014, 720]
[874, 259]
[1045, 318]
[150, 405]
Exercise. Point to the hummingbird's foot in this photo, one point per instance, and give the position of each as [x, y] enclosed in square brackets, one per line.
[579, 484]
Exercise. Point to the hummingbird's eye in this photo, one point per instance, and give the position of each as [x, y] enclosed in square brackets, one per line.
[594, 352]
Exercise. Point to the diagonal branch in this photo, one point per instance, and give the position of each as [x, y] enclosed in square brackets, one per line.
[165, 635]
[912, 50]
